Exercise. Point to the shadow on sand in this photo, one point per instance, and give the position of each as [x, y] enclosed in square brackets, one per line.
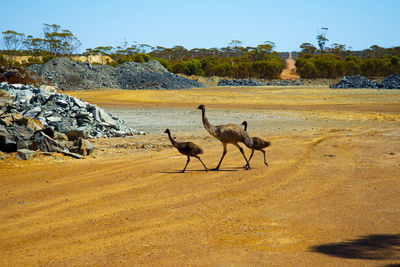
[371, 247]
[210, 170]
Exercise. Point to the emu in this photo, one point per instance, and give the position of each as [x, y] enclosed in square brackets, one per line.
[258, 144]
[227, 134]
[186, 148]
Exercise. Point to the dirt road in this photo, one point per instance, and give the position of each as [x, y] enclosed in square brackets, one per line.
[289, 72]
[330, 197]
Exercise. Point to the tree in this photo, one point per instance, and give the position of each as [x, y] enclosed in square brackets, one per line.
[308, 48]
[12, 42]
[338, 49]
[60, 41]
[321, 38]
[35, 45]
[262, 51]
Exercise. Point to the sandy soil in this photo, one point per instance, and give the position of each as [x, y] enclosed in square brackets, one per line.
[330, 197]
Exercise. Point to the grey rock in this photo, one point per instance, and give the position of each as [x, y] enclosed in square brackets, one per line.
[32, 112]
[53, 119]
[239, 82]
[60, 136]
[45, 143]
[85, 148]
[22, 144]
[26, 154]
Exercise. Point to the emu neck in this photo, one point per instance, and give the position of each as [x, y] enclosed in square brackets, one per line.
[210, 128]
[174, 143]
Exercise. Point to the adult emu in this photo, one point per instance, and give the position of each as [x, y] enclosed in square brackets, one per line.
[258, 144]
[227, 134]
[187, 148]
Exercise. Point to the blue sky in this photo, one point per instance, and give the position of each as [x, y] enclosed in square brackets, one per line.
[210, 23]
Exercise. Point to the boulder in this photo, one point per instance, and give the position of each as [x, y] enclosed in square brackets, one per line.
[26, 154]
[74, 135]
[85, 148]
[33, 124]
[45, 143]
[7, 145]
[60, 136]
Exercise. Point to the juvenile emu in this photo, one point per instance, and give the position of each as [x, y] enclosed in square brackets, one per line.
[187, 148]
[227, 134]
[258, 144]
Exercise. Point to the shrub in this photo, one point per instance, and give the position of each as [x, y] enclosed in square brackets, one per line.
[34, 60]
[308, 70]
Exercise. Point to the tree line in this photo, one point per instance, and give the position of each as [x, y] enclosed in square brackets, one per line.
[338, 60]
[234, 60]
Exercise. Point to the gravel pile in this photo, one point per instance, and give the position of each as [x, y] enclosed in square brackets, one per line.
[285, 83]
[70, 75]
[64, 113]
[239, 82]
[391, 82]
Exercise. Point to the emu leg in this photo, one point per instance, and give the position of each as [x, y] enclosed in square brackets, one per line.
[223, 155]
[251, 155]
[264, 157]
[202, 162]
[247, 166]
[187, 162]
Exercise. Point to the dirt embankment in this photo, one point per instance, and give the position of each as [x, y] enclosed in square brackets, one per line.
[330, 196]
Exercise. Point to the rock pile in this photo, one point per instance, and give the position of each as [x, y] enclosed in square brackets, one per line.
[70, 75]
[239, 82]
[391, 82]
[285, 83]
[66, 114]
[38, 119]
[26, 136]
[355, 82]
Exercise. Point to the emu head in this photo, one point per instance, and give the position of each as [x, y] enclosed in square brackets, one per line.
[167, 131]
[245, 125]
[201, 107]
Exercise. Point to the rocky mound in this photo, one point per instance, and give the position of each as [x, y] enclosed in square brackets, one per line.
[12, 74]
[70, 75]
[239, 82]
[391, 82]
[64, 113]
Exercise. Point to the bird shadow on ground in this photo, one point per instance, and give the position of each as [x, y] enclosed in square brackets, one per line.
[371, 247]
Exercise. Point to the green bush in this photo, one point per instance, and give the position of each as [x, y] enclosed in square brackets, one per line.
[165, 63]
[308, 70]
[47, 58]
[34, 60]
